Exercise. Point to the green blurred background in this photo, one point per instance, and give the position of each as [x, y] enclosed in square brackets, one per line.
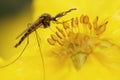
[13, 7]
[14, 17]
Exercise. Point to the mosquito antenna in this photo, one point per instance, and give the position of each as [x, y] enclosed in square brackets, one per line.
[38, 39]
[18, 56]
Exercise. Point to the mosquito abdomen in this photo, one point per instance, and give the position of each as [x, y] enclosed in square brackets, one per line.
[22, 39]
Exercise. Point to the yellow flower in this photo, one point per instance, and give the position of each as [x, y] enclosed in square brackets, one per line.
[81, 49]
[75, 43]
[86, 46]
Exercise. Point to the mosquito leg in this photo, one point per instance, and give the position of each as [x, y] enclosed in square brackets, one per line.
[19, 55]
[61, 14]
[57, 22]
[38, 39]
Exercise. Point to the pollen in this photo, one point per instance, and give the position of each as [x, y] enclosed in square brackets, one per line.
[76, 39]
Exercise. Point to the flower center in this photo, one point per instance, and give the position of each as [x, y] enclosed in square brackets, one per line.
[75, 40]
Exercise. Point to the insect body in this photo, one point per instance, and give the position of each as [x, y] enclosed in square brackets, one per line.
[44, 20]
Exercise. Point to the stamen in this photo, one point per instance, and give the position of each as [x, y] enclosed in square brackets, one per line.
[59, 36]
[95, 23]
[101, 28]
[71, 35]
[76, 21]
[86, 19]
[77, 39]
[54, 37]
[89, 26]
[51, 41]
[60, 42]
[82, 19]
[65, 25]
[72, 22]
[61, 31]
[77, 45]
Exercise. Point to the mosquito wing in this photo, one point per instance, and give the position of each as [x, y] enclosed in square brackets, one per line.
[22, 33]
[36, 23]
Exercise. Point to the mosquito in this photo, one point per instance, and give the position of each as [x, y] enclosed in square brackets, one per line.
[44, 20]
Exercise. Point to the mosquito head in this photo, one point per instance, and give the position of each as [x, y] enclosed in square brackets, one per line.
[45, 19]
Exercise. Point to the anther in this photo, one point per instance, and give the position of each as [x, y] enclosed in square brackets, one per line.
[51, 41]
[65, 25]
[89, 26]
[76, 21]
[54, 37]
[95, 23]
[61, 31]
[72, 22]
[60, 42]
[101, 28]
[86, 19]
[81, 18]
[59, 36]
